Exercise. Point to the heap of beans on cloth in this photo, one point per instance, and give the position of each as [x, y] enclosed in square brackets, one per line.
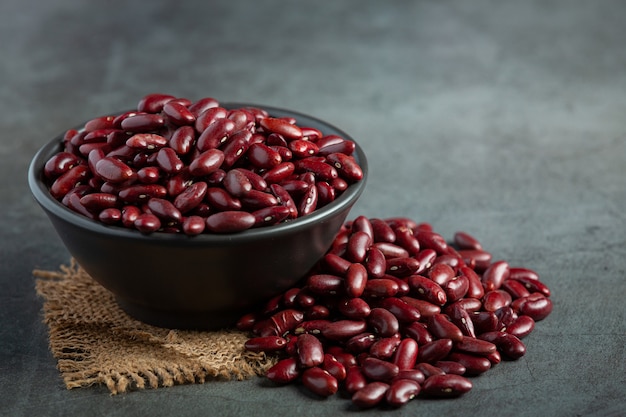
[173, 165]
[393, 312]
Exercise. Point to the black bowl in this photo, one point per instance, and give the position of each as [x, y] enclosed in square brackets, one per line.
[202, 282]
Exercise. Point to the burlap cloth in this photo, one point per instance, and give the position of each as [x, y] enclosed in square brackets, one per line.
[95, 342]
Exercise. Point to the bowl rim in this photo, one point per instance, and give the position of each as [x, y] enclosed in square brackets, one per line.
[42, 195]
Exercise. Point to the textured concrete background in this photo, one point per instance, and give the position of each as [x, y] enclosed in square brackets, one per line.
[506, 119]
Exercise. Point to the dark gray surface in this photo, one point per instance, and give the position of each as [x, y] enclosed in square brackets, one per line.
[502, 118]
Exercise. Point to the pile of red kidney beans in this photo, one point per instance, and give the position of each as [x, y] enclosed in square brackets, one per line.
[393, 312]
[173, 165]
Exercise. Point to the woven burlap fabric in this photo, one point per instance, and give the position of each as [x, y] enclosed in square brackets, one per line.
[95, 342]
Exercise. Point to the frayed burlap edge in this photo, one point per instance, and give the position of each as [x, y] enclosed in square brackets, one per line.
[96, 343]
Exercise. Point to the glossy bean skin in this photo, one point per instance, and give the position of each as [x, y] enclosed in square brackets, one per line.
[265, 344]
[370, 395]
[284, 371]
[401, 392]
[310, 351]
[230, 221]
[405, 355]
[495, 275]
[446, 386]
[383, 322]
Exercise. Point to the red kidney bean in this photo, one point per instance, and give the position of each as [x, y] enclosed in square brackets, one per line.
[427, 290]
[229, 221]
[505, 316]
[380, 288]
[537, 307]
[334, 367]
[382, 231]
[164, 210]
[114, 170]
[135, 194]
[450, 367]
[302, 148]
[358, 244]
[428, 369]
[379, 370]
[142, 122]
[370, 395]
[509, 345]
[391, 250]
[281, 126]
[426, 258]
[355, 280]
[255, 200]
[461, 318]
[533, 285]
[284, 371]
[182, 140]
[324, 284]
[523, 273]
[346, 166]
[495, 275]
[434, 350]
[148, 175]
[64, 184]
[432, 240]
[320, 169]
[310, 351]
[375, 262]
[410, 374]
[129, 215]
[215, 134]
[403, 311]
[441, 274]
[168, 161]
[283, 198]
[383, 322]
[206, 163]
[153, 103]
[147, 223]
[406, 239]
[418, 332]
[464, 240]
[335, 264]
[401, 392]
[99, 201]
[279, 173]
[355, 380]
[360, 343]
[456, 288]
[484, 321]
[401, 267]
[270, 215]
[191, 197]
[495, 299]
[333, 144]
[265, 343]
[474, 365]
[441, 327]
[385, 347]
[193, 225]
[475, 288]
[178, 113]
[406, 354]
[426, 309]
[308, 202]
[521, 327]
[236, 147]
[354, 308]
[343, 329]
[480, 258]
[59, 164]
[515, 288]
[222, 200]
[475, 346]
[446, 386]
[110, 216]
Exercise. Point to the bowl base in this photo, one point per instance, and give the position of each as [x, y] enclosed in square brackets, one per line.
[179, 320]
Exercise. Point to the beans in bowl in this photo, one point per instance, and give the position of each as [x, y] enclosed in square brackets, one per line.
[173, 165]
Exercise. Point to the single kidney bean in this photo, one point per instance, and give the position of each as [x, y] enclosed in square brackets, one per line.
[324, 284]
[203, 105]
[406, 239]
[446, 386]
[537, 307]
[382, 231]
[229, 221]
[335, 264]
[354, 308]
[334, 367]
[495, 299]
[450, 367]
[114, 170]
[281, 126]
[402, 310]
[279, 173]
[379, 370]
[135, 194]
[317, 312]
[110, 216]
[129, 215]
[523, 273]
[484, 321]
[362, 224]
[391, 250]
[480, 258]
[191, 197]
[236, 146]
[432, 240]
[360, 343]
[505, 316]
[474, 365]
[406, 354]
[495, 275]
[428, 369]
[308, 202]
[164, 210]
[475, 288]
[320, 169]
[380, 288]
[215, 134]
[153, 103]
[346, 166]
[533, 285]
[343, 329]
[370, 395]
[509, 345]
[441, 327]
[284, 199]
[262, 156]
[385, 347]
[270, 215]
[284, 371]
[475, 346]
[255, 200]
[148, 175]
[355, 380]
[59, 164]
[168, 161]
[456, 288]
[441, 274]
[401, 267]
[427, 290]
[383, 322]
[193, 225]
[521, 327]
[310, 351]
[220, 199]
[434, 350]
[425, 308]
[418, 332]
[147, 223]
[355, 280]
[142, 122]
[461, 318]
[72, 201]
[401, 392]
[333, 144]
[515, 288]
[64, 184]
[411, 374]
[206, 163]
[178, 114]
[266, 343]
[375, 262]
[302, 148]
[182, 140]
[358, 244]
[464, 240]
[426, 258]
